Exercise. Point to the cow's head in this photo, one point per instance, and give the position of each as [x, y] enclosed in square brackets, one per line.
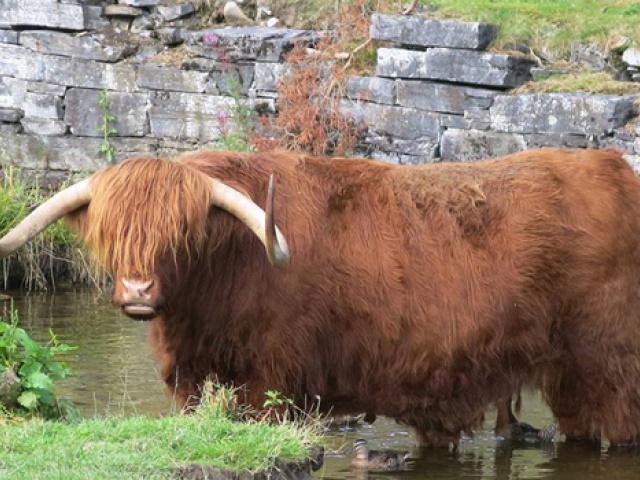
[143, 216]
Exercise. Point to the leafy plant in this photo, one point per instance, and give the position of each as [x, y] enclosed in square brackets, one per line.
[107, 149]
[28, 371]
[55, 250]
[235, 126]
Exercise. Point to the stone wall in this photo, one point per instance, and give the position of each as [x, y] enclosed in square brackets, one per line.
[437, 93]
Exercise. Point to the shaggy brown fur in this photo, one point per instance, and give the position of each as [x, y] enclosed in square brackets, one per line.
[422, 293]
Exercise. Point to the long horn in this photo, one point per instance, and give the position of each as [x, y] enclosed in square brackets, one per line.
[63, 202]
[260, 223]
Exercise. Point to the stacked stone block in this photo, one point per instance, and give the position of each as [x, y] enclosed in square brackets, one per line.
[437, 93]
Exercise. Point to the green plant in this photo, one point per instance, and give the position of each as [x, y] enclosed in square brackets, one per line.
[40, 260]
[28, 370]
[235, 125]
[107, 149]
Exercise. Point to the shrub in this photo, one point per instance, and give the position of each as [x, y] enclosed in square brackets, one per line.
[28, 370]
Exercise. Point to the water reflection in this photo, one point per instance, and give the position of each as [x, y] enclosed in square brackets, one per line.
[115, 373]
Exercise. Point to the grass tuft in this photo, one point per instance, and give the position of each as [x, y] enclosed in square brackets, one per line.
[145, 447]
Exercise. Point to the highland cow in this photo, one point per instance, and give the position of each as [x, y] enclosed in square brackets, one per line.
[423, 293]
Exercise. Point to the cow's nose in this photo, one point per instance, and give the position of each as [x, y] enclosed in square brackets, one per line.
[137, 299]
[136, 289]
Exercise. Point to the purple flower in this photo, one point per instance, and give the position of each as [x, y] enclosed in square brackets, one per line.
[210, 38]
[222, 118]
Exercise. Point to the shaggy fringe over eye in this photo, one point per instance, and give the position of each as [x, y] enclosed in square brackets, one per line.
[143, 210]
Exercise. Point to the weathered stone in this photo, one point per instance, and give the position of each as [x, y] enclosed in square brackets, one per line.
[16, 13]
[631, 56]
[19, 62]
[43, 126]
[42, 105]
[12, 93]
[234, 79]
[184, 115]
[267, 76]
[425, 147]
[161, 78]
[425, 32]
[122, 11]
[24, 151]
[233, 15]
[250, 43]
[10, 129]
[371, 89]
[477, 119]
[170, 36]
[402, 159]
[106, 46]
[440, 97]
[451, 120]
[12, 115]
[175, 11]
[571, 113]
[82, 154]
[85, 117]
[48, 88]
[471, 145]
[400, 122]
[88, 74]
[94, 18]
[8, 36]
[457, 66]
[146, 22]
[140, 3]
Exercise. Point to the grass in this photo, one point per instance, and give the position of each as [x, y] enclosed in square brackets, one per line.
[551, 26]
[39, 258]
[144, 447]
[591, 82]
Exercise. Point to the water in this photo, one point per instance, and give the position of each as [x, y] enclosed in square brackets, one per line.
[116, 374]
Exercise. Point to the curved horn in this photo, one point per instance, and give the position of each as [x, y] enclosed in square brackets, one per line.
[63, 202]
[260, 223]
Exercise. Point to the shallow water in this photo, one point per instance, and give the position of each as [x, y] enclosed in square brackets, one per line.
[114, 373]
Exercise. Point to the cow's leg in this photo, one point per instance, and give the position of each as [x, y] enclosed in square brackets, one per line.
[436, 438]
[593, 387]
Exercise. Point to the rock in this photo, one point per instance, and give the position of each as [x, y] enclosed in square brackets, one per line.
[140, 3]
[10, 388]
[171, 79]
[273, 22]
[175, 12]
[426, 32]
[235, 17]
[177, 115]
[51, 14]
[84, 116]
[399, 122]
[4, 297]
[10, 115]
[122, 11]
[8, 36]
[105, 46]
[441, 97]
[457, 66]
[371, 89]
[561, 113]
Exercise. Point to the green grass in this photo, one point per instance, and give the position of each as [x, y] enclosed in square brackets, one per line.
[551, 26]
[145, 447]
[57, 243]
[596, 83]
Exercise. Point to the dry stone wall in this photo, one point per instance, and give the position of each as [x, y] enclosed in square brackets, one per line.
[437, 95]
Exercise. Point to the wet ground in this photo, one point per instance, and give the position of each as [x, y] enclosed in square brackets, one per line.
[114, 373]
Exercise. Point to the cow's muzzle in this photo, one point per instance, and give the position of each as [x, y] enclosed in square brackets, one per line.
[137, 298]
